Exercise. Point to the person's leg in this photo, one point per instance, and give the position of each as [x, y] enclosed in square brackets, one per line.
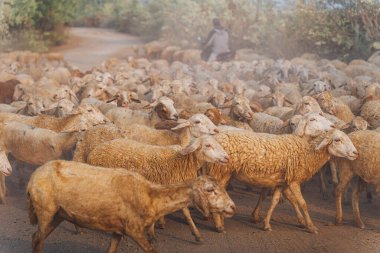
[212, 57]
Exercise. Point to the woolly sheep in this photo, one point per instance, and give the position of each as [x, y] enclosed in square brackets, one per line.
[278, 161]
[367, 167]
[139, 202]
[160, 164]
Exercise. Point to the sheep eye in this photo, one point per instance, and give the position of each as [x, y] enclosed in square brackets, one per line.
[293, 124]
[210, 189]
[197, 122]
[337, 140]
[208, 145]
[89, 110]
[312, 119]
[306, 103]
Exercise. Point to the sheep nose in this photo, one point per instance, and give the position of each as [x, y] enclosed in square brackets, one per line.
[176, 116]
[216, 130]
[233, 207]
[355, 153]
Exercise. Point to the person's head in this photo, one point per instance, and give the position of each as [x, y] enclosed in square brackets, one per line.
[216, 23]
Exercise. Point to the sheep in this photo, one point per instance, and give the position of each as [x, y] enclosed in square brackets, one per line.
[138, 203]
[7, 89]
[83, 115]
[163, 109]
[264, 123]
[370, 111]
[160, 164]
[367, 167]
[282, 162]
[33, 145]
[335, 106]
[219, 119]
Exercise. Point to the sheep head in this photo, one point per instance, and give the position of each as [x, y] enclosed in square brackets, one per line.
[308, 104]
[241, 108]
[312, 125]
[164, 107]
[338, 144]
[198, 125]
[207, 149]
[209, 197]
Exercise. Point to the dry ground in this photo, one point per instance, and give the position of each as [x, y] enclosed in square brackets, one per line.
[242, 235]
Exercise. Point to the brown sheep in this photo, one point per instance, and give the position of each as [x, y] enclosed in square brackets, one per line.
[125, 203]
[6, 91]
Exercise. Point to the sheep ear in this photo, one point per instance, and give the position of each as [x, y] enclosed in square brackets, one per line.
[194, 145]
[325, 142]
[182, 125]
[300, 129]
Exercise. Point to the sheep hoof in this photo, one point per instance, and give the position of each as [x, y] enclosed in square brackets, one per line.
[313, 230]
[325, 196]
[360, 225]
[199, 240]
[152, 239]
[161, 226]
[221, 230]
[267, 228]
[255, 220]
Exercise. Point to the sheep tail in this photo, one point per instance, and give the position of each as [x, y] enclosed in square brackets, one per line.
[32, 213]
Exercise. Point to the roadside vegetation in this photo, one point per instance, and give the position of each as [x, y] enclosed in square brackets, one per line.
[330, 28]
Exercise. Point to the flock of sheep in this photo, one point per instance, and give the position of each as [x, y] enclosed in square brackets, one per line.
[126, 143]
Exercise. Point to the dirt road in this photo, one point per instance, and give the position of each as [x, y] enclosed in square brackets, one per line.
[88, 47]
[242, 235]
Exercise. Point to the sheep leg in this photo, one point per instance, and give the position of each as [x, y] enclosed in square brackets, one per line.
[114, 244]
[256, 213]
[193, 227]
[292, 199]
[218, 222]
[334, 173]
[2, 189]
[344, 178]
[46, 226]
[274, 202]
[322, 177]
[358, 187]
[141, 240]
[368, 194]
[161, 222]
[296, 190]
[151, 233]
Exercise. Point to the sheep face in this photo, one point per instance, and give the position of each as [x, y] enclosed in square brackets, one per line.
[5, 166]
[358, 123]
[164, 107]
[209, 197]
[309, 104]
[339, 144]
[215, 116]
[325, 100]
[320, 86]
[198, 125]
[91, 115]
[207, 149]
[34, 107]
[217, 99]
[313, 124]
[241, 108]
